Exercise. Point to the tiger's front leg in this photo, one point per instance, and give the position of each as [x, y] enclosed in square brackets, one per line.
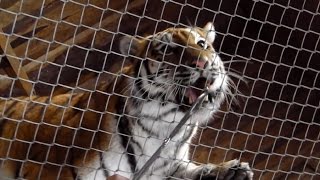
[225, 171]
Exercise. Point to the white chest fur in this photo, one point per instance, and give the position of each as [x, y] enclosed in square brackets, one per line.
[155, 123]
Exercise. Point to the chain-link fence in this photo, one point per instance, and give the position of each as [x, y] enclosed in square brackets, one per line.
[51, 47]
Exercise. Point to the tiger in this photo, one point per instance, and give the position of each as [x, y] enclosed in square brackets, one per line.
[115, 128]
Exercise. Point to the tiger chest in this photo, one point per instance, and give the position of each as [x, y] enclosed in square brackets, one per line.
[154, 123]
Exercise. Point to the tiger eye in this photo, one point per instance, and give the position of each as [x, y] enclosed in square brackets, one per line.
[201, 43]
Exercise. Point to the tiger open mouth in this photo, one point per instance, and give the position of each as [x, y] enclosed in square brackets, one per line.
[195, 90]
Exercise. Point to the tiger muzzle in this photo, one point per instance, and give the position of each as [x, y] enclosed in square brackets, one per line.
[196, 89]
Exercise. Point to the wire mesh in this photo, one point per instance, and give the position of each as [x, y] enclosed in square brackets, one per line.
[70, 46]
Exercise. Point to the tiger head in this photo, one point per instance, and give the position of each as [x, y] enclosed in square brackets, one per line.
[179, 63]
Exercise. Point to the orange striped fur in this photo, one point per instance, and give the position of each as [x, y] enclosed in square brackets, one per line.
[43, 136]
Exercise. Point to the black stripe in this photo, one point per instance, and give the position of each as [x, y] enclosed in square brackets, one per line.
[141, 90]
[40, 115]
[136, 101]
[137, 144]
[174, 172]
[157, 84]
[2, 123]
[79, 105]
[104, 168]
[165, 39]
[34, 104]
[131, 156]
[145, 63]
[183, 102]
[162, 71]
[43, 108]
[14, 103]
[145, 94]
[166, 163]
[146, 129]
[164, 102]
[157, 95]
[3, 119]
[159, 117]
[125, 135]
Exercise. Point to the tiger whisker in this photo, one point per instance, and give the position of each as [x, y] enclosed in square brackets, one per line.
[230, 95]
[233, 70]
[169, 90]
[125, 89]
[237, 76]
[164, 85]
[178, 88]
[233, 85]
[236, 61]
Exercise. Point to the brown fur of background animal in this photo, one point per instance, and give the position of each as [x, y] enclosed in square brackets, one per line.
[43, 127]
[278, 110]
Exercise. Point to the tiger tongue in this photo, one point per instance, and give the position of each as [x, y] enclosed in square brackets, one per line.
[192, 94]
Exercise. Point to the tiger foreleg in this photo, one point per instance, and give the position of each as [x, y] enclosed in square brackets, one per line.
[225, 171]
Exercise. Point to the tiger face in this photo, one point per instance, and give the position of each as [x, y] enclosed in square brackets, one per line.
[181, 62]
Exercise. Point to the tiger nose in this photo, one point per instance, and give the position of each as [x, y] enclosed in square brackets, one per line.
[200, 64]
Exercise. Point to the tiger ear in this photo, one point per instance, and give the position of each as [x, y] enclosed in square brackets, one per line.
[211, 33]
[129, 45]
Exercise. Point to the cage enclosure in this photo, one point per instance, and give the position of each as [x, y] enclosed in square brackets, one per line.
[272, 117]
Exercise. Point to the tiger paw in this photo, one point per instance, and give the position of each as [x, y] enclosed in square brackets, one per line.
[226, 171]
